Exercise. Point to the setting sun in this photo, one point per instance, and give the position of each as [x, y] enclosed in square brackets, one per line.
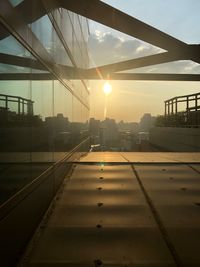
[107, 88]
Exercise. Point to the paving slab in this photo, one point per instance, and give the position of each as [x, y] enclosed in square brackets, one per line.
[174, 191]
[142, 157]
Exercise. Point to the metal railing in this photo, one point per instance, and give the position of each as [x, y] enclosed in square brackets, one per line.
[190, 117]
[21, 103]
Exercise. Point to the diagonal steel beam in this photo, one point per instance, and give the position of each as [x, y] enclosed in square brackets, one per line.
[100, 12]
[20, 30]
[136, 63]
[21, 61]
[35, 64]
[117, 20]
[111, 17]
[31, 10]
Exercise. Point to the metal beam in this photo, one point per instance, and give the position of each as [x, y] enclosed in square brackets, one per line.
[21, 61]
[155, 77]
[35, 64]
[20, 30]
[136, 63]
[26, 76]
[111, 17]
[100, 12]
[31, 10]
[114, 76]
[93, 9]
[116, 19]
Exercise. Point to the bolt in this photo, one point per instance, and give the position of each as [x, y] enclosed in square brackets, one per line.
[99, 188]
[97, 263]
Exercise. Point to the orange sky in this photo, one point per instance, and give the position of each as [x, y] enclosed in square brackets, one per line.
[129, 100]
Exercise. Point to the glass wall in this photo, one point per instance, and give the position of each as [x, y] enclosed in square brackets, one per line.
[43, 111]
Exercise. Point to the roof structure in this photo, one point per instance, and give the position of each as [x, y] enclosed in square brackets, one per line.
[102, 13]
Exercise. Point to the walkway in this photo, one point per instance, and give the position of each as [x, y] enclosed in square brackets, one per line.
[124, 215]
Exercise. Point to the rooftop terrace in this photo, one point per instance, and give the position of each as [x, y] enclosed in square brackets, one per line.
[123, 209]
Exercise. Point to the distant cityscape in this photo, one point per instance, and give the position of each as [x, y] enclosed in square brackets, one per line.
[22, 130]
[57, 133]
[108, 135]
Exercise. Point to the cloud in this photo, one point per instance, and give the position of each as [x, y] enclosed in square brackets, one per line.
[182, 66]
[106, 48]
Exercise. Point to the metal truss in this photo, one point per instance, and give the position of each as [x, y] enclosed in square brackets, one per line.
[32, 10]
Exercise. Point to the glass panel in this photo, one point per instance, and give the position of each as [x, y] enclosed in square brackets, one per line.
[50, 40]
[15, 142]
[42, 137]
[41, 121]
[10, 46]
[62, 117]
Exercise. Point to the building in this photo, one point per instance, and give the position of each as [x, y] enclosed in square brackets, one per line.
[35, 64]
[109, 134]
[94, 126]
[43, 114]
[105, 209]
[146, 122]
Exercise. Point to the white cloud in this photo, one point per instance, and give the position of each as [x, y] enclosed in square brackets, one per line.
[106, 48]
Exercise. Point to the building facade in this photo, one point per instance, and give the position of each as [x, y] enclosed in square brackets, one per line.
[43, 114]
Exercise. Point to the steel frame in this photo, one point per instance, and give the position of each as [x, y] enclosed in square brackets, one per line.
[32, 10]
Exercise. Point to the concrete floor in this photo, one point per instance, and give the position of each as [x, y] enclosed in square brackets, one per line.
[124, 215]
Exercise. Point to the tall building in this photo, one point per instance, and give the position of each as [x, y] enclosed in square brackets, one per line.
[40, 46]
[109, 133]
[147, 122]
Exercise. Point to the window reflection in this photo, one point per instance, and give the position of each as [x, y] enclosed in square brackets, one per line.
[41, 120]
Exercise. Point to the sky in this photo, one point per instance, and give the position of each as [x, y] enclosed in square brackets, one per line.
[129, 100]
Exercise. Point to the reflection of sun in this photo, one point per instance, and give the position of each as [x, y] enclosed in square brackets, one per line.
[107, 88]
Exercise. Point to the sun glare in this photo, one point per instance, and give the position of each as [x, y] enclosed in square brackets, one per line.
[107, 88]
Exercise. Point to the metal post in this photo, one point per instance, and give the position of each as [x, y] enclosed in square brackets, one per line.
[168, 108]
[176, 111]
[196, 108]
[187, 109]
[176, 106]
[19, 105]
[6, 102]
[23, 106]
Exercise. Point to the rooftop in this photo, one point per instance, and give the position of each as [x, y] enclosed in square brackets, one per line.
[123, 209]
